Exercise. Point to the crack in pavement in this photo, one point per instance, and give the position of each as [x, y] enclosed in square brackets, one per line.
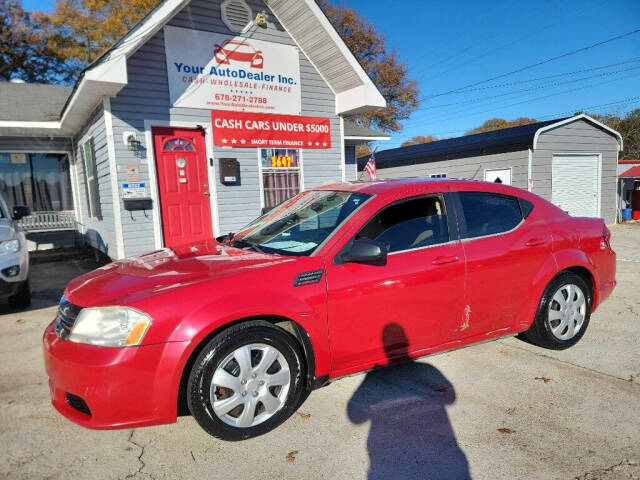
[566, 362]
[142, 463]
[628, 468]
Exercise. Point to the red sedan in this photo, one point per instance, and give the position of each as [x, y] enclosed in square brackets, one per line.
[337, 280]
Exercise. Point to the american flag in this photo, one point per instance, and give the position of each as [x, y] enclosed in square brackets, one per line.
[370, 167]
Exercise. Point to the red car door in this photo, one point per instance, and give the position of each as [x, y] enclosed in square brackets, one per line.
[505, 249]
[418, 291]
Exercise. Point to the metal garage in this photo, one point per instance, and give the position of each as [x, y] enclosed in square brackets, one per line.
[569, 161]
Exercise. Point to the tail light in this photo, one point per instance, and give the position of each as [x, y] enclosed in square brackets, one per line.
[606, 238]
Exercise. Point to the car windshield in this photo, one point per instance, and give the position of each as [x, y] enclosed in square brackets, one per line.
[299, 225]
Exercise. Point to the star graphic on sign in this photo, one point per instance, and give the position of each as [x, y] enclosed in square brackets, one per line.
[243, 141]
[310, 143]
[317, 144]
[224, 140]
[324, 144]
[234, 141]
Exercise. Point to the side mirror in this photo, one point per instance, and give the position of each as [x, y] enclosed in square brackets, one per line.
[365, 250]
[20, 211]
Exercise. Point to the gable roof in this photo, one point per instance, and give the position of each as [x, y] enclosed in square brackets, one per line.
[303, 19]
[496, 141]
[32, 101]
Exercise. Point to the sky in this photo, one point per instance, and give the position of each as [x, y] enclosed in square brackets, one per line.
[455, 44]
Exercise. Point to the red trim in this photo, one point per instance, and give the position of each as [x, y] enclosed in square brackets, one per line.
[628, 161]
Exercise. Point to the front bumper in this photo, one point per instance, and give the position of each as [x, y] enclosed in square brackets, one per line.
[122, 387]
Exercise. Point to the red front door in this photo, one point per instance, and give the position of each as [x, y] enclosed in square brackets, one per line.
[183, 183]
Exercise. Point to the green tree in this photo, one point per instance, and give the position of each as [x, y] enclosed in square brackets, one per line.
[419, 139]
[500, 123]
[388, 73]
[26, 51]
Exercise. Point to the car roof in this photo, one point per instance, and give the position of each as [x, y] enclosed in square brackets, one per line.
[426, 185]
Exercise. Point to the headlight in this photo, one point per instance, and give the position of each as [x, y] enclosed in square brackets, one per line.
[9, 246]
[110, 326]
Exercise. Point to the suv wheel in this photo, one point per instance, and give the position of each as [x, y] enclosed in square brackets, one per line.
[22, 298]
[563, 314]
[246, 381]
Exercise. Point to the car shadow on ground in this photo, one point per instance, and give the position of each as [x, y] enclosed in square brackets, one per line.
[410, 436]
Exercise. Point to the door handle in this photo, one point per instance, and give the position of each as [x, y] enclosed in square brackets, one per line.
[444, 260]
[535, 242]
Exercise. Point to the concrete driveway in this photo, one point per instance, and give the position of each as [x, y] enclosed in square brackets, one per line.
[498, 410]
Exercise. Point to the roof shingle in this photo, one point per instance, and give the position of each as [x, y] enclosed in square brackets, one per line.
[32, 101]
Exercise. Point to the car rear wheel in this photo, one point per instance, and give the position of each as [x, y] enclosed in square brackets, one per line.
[22, 298]
[563, 314]
[246, 381]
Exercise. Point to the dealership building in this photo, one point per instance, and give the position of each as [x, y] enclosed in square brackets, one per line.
[204, 115]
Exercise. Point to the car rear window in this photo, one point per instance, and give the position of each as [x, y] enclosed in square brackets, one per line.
[488, 213]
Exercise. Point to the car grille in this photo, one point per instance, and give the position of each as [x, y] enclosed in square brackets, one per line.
[66, 318]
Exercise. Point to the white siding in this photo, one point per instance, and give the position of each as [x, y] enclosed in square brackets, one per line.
[99, 234]
[470, 167]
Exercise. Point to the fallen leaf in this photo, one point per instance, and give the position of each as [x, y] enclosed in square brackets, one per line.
[544, 379]
[291, 456]
[511, 411]
[20, 320]
[506, 430]
[303, 416]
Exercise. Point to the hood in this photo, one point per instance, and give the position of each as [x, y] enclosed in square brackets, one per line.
[162, 270]
[7, 230]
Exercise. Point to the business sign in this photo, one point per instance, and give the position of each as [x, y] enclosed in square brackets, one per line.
[134, 190]
[239, 129]
[223, 72]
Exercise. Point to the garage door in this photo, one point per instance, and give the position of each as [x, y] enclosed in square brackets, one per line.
[576, 185]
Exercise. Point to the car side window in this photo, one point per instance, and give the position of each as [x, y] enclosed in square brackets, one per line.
[488, 213]
[410, 224]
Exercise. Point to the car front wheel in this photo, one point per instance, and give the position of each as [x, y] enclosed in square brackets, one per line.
[563, 314]
[246, 381]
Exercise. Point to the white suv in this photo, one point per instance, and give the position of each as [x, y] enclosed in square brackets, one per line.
[14, 256]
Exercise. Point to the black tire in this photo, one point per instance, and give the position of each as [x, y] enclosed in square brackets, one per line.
[215, 352]
[22, 298]
[540, 332]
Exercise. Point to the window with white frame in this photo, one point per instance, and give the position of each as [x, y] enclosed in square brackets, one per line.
[439, 175]
[280, 175]
[87, 151]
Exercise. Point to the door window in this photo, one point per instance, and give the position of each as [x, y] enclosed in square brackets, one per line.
[488, 213]
[410, 224]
